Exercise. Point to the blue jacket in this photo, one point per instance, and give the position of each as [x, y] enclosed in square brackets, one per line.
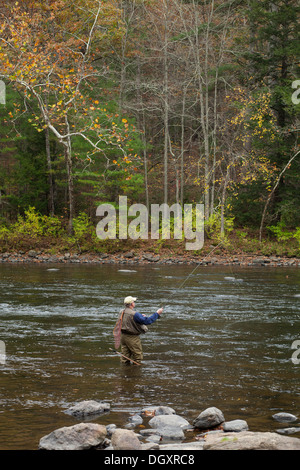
[139, 318]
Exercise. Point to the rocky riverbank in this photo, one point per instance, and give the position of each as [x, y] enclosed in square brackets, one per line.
[143, 258]
[160, 428]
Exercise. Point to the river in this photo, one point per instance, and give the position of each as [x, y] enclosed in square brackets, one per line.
[223, 340]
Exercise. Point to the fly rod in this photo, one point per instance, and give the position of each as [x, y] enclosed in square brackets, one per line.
[125, 357]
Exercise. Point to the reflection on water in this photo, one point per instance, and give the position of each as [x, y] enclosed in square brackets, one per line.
[224, 340]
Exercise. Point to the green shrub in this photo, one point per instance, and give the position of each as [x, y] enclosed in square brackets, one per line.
[30, 224]
[81, 226]
[297, 236]
[213, 225]
[36, 225]
[4, 232]
[280, 233]
[52, 226]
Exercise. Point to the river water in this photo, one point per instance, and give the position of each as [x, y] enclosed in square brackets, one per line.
[224, 340]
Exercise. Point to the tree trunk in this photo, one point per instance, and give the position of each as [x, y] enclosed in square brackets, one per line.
[50, 176]
[70, 184]
[182, 148]
[69, 166]
[166, 109]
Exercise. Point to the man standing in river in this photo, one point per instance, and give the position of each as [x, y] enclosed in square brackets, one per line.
[133, 325]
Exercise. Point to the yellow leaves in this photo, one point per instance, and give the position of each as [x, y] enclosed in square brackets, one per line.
[41, 53]
[253, 114]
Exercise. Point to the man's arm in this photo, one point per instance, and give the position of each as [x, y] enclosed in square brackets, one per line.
[142, 319]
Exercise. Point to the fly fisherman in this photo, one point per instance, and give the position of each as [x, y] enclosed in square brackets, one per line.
[134, 324]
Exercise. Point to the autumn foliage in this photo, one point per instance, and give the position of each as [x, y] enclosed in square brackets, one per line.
[166, 101]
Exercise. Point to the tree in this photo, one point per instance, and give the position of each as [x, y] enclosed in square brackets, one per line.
[272, 63]
[48, 51]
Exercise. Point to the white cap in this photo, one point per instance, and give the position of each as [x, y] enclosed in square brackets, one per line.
[128, 300]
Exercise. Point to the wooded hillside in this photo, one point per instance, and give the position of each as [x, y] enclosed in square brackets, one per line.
[159, 100]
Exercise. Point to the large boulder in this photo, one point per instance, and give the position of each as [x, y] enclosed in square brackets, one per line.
[124, 439]
[247, 440]
[209, 418]
[82, 436]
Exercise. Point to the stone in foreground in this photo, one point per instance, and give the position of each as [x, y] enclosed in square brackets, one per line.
[81, 436]
[124, 439]
[209, 418]
[237, 425]
[247, 440]
[170, 427]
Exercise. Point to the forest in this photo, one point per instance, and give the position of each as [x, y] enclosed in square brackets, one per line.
[162, 101]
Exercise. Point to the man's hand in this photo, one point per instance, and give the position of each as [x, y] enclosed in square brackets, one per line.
[159, 311]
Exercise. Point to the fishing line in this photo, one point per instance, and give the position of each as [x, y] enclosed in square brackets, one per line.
[193, 272]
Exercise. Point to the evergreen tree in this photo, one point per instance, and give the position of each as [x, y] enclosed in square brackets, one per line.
[272, 62]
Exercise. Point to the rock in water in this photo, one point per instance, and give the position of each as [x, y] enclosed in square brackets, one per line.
[247, 440]
[237, 425]
[285, 417]
[170, 426]
[88, 408]
[124, 439]
[209, 418]
[81, 436]
[287, 431]
[157, 410]
[160, 421]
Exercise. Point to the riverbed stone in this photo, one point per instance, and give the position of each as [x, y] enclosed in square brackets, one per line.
[82, 436]
[149, 432]
[88, 408]
[170, 427]
[196, 445]
[164, 410]
[169, 420]
[125, 439]
[110, 429]
[236, 425]
[154, 438]
[157, 410]
[287, 431]
[247, 440]
[32, 253]
[149, 446]
[285, 417]
[136, 419]
[209, 418]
